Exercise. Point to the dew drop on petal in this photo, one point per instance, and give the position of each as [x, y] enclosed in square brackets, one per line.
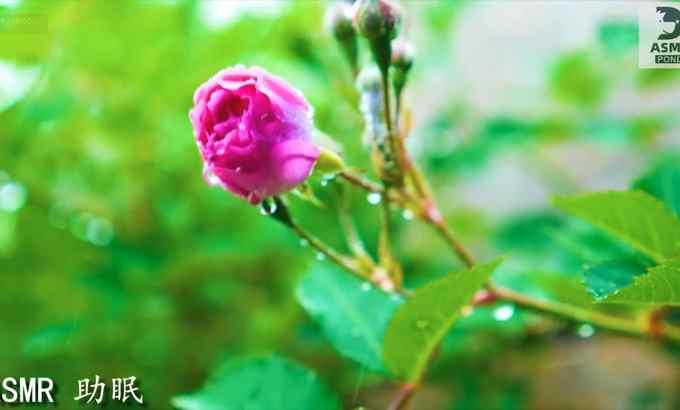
[211, 178]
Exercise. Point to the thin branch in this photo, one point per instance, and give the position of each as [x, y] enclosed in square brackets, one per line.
[457, 246]
[360, 181]
[578, 314]
[403, 398]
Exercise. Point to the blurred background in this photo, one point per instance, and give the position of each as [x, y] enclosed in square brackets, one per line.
[117, 259]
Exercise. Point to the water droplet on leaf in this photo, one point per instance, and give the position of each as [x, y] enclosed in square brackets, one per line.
[503, 313]
[366, 286]
[422, 324]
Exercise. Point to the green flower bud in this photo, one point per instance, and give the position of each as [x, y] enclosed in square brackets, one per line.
[329, 162]
[378, 21]
[402, 54]
[339, 24]
[375, 19]
[339, 20]
[402, 61]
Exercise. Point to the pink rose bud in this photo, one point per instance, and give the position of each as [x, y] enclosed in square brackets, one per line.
[253, 132]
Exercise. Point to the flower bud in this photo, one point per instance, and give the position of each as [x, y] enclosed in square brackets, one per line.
[402, 54]
[339, 24]
[375, 19]
[329, 162]
[402, 61]
[378, 21]
[254, 133]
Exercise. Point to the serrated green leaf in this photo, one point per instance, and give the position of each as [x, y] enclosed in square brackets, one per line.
[660, 286]
[265, 383]
[663, 182]
[634, 217]
[419, 325]
[606, 278]
[352, 314]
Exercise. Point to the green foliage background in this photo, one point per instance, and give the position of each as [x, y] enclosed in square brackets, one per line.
[117, 259]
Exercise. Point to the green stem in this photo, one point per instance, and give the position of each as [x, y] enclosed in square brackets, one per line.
[352, 235]
[282, 214]
[442, 228]
[578, 314]
[334, 256]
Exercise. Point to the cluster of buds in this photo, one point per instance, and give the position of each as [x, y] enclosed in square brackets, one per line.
[379, 23]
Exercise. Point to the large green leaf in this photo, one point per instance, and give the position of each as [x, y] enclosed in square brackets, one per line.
[266, 383]
[353, 314]
[663, 182]
[419, 325]
[634, 217]
[606, 278]
[660, 286]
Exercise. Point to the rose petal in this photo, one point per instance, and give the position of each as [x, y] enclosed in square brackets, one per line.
[292, 162]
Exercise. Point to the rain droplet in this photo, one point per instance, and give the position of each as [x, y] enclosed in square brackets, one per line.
[304, 242]
[422, 324]
[268, 207]
[210, 177]
[504, 312]
[366, 286]
[99, 231]
[320, 256]
[12, 196]
[407, 214]
[585, 330]
[374, 198]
